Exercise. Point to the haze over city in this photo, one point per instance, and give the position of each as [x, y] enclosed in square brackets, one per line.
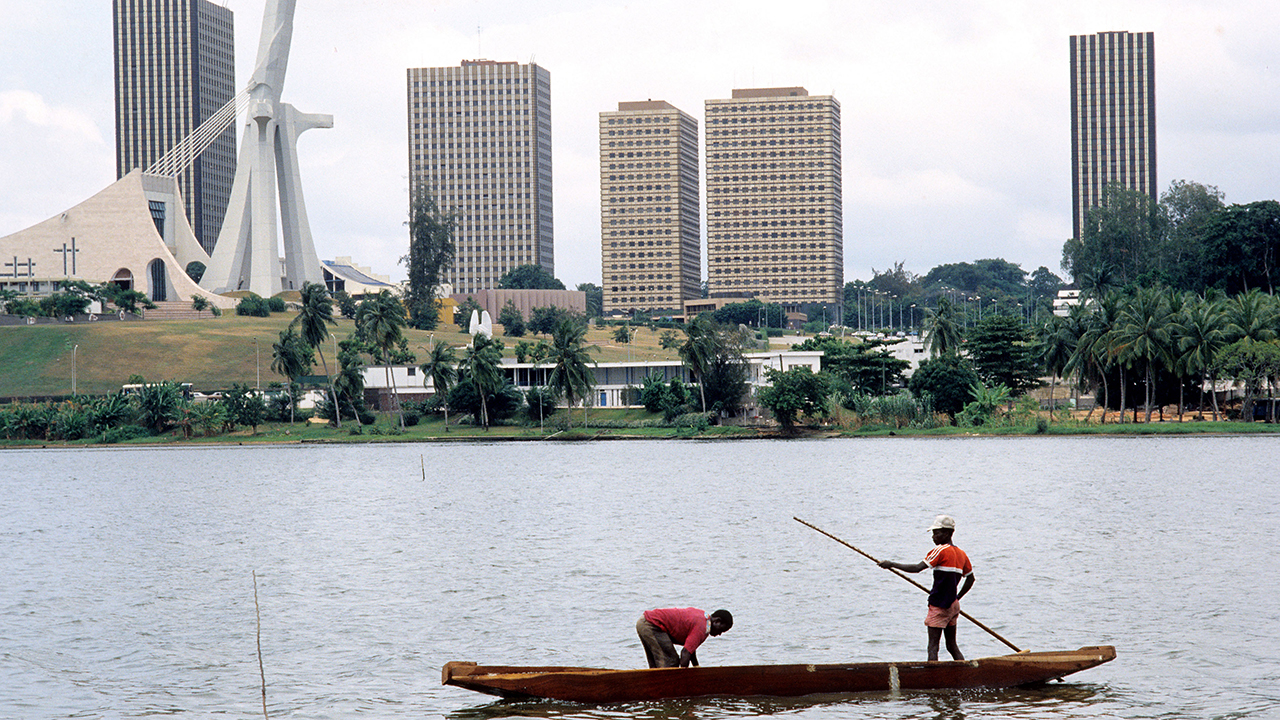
[956, 129]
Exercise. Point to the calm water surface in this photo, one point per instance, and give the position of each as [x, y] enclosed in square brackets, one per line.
[126, 576]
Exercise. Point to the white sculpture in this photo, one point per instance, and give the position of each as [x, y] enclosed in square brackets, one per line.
[247, 256]
[481, 323]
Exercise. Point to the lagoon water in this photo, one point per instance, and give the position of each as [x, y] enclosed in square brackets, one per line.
[127, 575]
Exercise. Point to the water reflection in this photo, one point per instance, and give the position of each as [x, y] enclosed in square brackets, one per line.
[1056, 700]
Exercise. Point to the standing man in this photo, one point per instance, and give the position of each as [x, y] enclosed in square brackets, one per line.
[661, 630]
[950, 565]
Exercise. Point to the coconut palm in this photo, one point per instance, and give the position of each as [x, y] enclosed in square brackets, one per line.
[313, 321]
[1058, 341]
[1201, 333]
[1252, 315]
[569, 360]
[291, 357]
[1092, 359]
[1143, 336]
[942, 333]
[481, 367]
[699, 350]
[380, 320]
[441, 368]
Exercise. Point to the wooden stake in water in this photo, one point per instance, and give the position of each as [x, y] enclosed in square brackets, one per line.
[261, 671]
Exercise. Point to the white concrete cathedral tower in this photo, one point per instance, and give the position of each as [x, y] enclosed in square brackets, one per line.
[247, 254]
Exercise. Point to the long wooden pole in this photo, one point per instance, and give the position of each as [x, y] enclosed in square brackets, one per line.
[895, 571]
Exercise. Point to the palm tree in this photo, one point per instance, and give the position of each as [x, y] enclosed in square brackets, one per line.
[290, 357]
[350, 380]
[1092, 359]
[482, 369]
[1057, 344]
[1252, 315]
[380, 320]
[699, 350]
[441, 368]
[1201, 333]
[941, 329]
[569, 359]
[1143, 335]
[313, 321]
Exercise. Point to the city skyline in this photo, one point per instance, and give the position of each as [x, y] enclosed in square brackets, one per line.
[956, 124]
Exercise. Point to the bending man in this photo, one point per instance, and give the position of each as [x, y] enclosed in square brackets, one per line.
[662, 629]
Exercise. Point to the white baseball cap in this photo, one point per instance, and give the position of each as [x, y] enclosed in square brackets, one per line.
[943, 522]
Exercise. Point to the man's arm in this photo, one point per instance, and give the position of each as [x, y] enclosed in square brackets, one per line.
[687, 658]
[913, 568]
[968, 583]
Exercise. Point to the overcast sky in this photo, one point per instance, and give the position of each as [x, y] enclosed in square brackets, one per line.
[956, 132]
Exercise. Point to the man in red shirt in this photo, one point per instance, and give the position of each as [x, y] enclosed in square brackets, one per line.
[950, 565]
[662, 629]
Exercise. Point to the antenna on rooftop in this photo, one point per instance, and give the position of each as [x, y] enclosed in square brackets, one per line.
[479, 47]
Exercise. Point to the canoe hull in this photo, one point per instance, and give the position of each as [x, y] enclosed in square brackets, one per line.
[596, 685]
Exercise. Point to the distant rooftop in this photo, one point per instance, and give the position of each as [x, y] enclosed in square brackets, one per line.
[769, 92]
[645, 105]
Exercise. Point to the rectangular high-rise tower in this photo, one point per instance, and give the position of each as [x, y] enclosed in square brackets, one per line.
[650, 233]
[1113, 117]
[480, 137]
[775, 226]
[174, 67]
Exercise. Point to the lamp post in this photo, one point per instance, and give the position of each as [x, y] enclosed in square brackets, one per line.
[257, 359]
[74, 352]
[911, 322]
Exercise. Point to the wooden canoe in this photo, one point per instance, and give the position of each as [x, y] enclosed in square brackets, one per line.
[597, 685]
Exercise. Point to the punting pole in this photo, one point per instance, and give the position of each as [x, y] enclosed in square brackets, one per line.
[897, 572]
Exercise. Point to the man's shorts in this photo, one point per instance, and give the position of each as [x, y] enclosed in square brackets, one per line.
[943, 617]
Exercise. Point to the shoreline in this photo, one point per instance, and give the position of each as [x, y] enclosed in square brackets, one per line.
[282, 435]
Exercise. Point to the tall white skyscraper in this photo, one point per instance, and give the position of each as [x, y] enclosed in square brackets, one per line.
[480, 138]
[650, 233]
[775, 224]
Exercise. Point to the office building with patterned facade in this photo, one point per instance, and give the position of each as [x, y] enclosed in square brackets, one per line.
[174, 63]
[775, 227]
[650, 229]
[480, 138]
[1113, 117]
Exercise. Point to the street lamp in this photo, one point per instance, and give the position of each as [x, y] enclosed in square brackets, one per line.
[257, 359]
[74, 351]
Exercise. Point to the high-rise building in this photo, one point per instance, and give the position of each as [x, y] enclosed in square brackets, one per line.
[650, 232]
[775, 227]
[1113, 117]
[480, 137]
[174, 67]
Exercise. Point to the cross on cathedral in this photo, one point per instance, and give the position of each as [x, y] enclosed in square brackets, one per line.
[29, 264]
[65, 252]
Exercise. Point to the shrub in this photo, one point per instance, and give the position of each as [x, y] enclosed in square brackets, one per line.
[275, 304]
[123, 433]
[411, 419]
[253, 305]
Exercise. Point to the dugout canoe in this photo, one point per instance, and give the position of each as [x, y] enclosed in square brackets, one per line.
[598, 685]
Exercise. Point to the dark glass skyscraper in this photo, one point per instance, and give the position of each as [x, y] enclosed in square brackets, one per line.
[1113, 117]
[174, 67]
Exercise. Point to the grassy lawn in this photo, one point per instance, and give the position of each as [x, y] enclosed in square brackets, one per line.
[211, 354]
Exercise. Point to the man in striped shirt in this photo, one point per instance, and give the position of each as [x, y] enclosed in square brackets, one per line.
[950, 565]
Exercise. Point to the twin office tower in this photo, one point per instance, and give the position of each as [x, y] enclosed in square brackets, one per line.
[480, 137]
